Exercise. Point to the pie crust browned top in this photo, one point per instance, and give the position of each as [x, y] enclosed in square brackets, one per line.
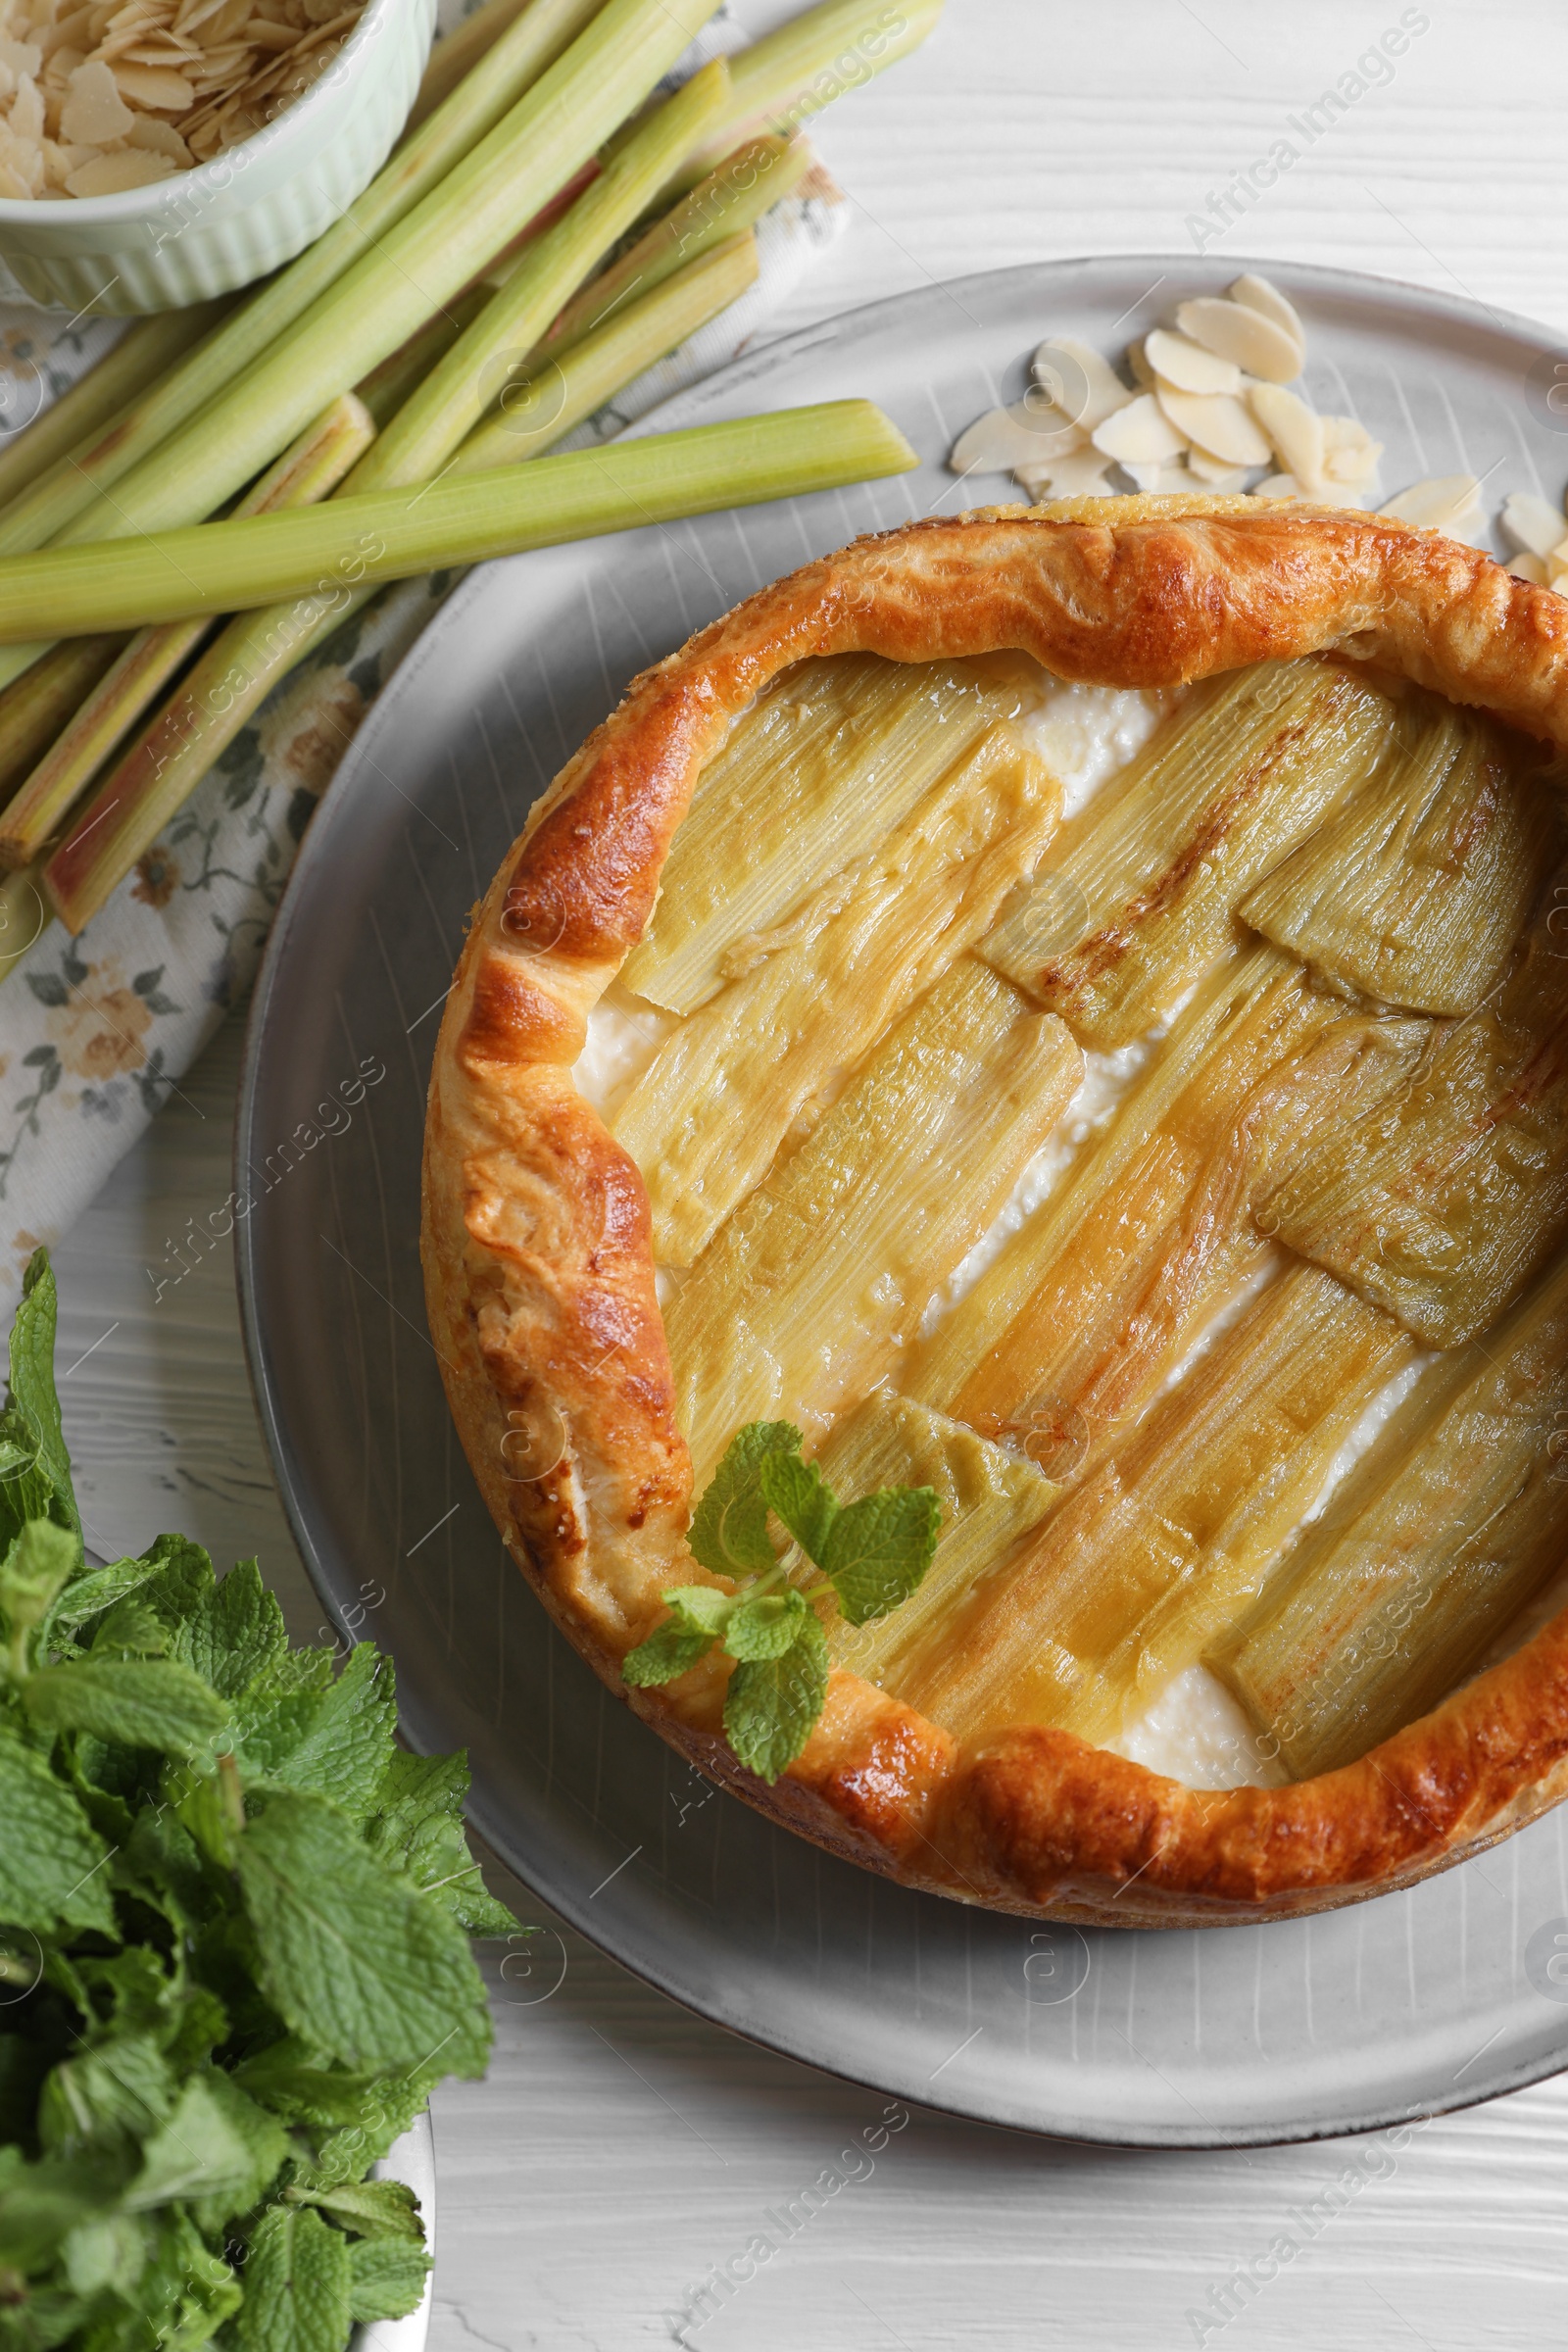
[536, 1228]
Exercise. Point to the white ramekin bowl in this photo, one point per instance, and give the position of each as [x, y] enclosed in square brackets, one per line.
[231, 221]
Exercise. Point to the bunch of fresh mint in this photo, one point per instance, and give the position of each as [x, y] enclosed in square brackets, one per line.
[872, 1554]
[233, 1940]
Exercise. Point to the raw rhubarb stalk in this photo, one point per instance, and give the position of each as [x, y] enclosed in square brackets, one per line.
[312, 469]
[145, 353]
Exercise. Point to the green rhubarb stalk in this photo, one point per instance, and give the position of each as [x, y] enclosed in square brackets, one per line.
[543, 405]
[462, 519]
[145, 353]
[780, 81]
[459, 389]
[746, 185]
[500, 81]
[308, 472]
[40, 704]
[457, 52]
[390, 534]
[385, 389]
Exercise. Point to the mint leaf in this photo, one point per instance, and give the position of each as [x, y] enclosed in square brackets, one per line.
[294, 2080]
[728, 1532]
[766, 1628]
[670, 1649]
[344, 1750]
[384, 2113]
[181, 1580]
[106, 2098]
[131, 1628]
[50, 1860]
[416, 1828]
[702, 1608]
[352, 1959]
[772, 1704]
[879, 1549]
[235, 1633]
[40, 2202]
[26, 1490]
[107, 2251]
[795, 1489]
[217, 2149]
[295, 1671]
[386, 2278]
[267, 1729]
[32, 1383]
[413, 1788]
[373, 2208]
[297, 2281]
[90, 1593]
[142, 1702]
[38, 1564]
[701, 1613]
[186, 2293]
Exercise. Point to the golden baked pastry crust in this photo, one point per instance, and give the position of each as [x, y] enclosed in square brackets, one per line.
[536, 1233]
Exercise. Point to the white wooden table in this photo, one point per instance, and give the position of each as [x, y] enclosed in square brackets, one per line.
[620, 2148]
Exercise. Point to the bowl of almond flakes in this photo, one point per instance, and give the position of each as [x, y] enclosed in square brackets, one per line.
[155, 153]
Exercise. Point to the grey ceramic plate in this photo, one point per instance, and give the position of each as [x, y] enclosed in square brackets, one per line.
[1400, 2006]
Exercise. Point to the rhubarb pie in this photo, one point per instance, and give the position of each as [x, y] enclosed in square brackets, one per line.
[1069, 1008]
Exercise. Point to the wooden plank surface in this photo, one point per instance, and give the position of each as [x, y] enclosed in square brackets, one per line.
[620, 2148]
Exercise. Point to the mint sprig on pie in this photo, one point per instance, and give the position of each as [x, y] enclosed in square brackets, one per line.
[870, 1555]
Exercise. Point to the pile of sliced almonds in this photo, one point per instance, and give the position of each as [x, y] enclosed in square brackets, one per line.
[99, 98]
[1208, 409]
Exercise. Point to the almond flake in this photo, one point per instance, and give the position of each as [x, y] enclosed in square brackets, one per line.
[94, 111]
[1004, 438]
[161, 138]
[1137, 362]
[1217, 422]
[1295, 431]
[1261, 295]
[1082, 387]
[112, 174]
[156, 88]
[1235, 332]
[1532, 525]
[1081, 474]
[1187, 367]
[1214, 473]
[1140, 434]
[1160, 481]
[1449, 502]
[1529, 566]
[1278, 485]
[1352, 468]
[26, 116]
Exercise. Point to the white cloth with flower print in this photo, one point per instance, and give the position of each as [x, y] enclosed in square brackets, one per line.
[95, 1032]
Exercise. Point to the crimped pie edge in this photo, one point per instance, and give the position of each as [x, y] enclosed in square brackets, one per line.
[536, 1237]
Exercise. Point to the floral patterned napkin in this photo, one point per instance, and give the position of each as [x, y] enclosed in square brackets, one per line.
[96, 1032]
